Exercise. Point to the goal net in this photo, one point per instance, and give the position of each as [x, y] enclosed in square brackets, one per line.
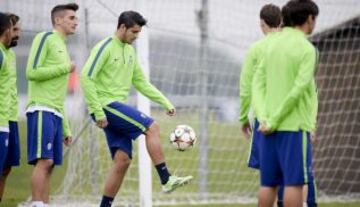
[196, 51]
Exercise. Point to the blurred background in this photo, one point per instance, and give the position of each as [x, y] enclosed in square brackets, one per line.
[196, 48]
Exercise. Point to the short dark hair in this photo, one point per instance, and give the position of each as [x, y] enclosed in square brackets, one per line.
[13, 18]
[296, 12]
[62, 7]
[271, 14]
[5, 23]
[131, 18]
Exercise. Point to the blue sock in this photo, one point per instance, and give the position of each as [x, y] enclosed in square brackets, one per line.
[106, 201]
[163, 172]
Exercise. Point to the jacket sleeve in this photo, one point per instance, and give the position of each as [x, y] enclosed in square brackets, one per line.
[93, 66]
[148, 90]
[35, 70]
[66, 126]
[246, 77]
[4, 103]
[258, 90]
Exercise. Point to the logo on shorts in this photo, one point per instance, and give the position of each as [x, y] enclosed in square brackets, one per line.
[6, 142]
[49, 146]
[143, 115]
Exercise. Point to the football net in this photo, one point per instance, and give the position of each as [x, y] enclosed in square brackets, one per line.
[196, 51]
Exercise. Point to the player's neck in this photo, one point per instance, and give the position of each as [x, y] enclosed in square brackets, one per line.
[2, 41]
[120, 36]
[303, 28]
[61, 32]
[271, 30]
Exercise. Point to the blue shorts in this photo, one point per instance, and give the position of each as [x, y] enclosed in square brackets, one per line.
[4, 143]
[13, 155]
[45, 137]
[253, 159]
[311, 195]
[125, 125]
[284, 158]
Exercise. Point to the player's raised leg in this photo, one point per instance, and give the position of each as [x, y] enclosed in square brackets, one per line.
[154, 147]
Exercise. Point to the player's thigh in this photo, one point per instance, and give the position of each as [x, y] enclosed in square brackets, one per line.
[4, 142]
[253, 159]
[126, 119]
[13, 155]
[42, 128]
[270, 171]
[293, 157]
[118, 141]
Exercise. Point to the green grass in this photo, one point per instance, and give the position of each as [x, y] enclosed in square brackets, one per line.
[18, 185]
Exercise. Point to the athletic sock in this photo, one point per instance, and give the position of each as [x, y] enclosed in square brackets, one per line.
[106, 201]
[163, 172]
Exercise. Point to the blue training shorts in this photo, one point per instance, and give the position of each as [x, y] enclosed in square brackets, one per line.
[45, 137]
[283, 157]
[253, 159]
[13, 155]
[4, 143]
[125, 125]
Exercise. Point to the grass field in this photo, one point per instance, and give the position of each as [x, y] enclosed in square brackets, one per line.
[18, 185]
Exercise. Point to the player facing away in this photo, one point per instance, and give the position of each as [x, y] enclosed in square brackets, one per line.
[285, 102]
[5, 41]
[106, 78]
[47, 71]
[12, 157]
[270, 22]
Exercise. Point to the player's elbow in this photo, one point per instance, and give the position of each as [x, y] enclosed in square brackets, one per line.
[30, 76]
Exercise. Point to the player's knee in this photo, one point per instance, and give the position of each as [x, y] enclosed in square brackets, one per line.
[122, 163]
[154, 128]
[45, 164]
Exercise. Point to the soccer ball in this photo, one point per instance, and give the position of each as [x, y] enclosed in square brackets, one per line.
[183, 137]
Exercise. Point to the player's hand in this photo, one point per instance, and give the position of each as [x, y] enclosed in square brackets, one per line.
[264, 128]
[72, 66]
[68, 140]
[102, 123]
[313, 137]
[246, 129]
[171, 112]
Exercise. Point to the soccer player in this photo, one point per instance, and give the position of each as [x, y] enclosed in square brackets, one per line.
[12, 157]
[5, 41]
[106, 78]
[285, 102]
[48, 70]
[270, 21]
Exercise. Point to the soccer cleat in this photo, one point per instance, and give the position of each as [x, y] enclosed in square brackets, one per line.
[175, 182]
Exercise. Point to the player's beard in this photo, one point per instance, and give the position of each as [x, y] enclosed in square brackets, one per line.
[14, 42]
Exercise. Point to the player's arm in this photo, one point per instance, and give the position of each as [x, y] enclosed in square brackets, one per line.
[66, 126]
[314, 97]
[246, 76]
[304, 78]
[149, 90]
[35, 70]
[93, 66]
[4, 116]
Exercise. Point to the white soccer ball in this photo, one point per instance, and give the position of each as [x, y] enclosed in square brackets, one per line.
[183, 137]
